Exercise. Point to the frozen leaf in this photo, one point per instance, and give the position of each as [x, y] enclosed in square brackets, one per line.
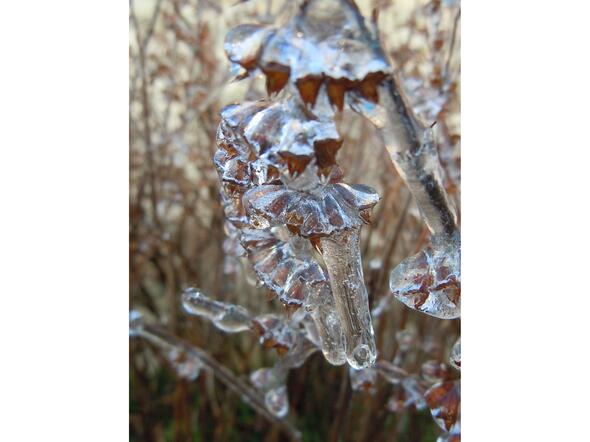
[444, 400]
[430, 281]
[455, 358]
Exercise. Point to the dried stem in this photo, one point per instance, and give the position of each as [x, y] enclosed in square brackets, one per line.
[161, 337]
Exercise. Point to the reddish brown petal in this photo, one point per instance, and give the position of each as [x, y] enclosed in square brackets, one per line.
[308, 88]
[277, 77]
[326, 151]
[295, 163]
[336, 90]
[368, 86]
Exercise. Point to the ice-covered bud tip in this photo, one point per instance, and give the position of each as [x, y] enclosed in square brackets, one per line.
[325, 49]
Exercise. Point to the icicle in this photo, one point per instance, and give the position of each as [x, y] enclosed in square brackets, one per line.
[323, 311]
[341, 254]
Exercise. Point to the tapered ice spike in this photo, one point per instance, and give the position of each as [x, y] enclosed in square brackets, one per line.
[341, 253]
[323, 312]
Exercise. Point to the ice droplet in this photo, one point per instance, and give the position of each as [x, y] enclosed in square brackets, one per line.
[341, 254]
[277, 401]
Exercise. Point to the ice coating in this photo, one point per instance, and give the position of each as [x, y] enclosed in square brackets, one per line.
[412, 149]
[341, 253]
[444, 401]
[430, 281]
[455, 358]
[226, 317]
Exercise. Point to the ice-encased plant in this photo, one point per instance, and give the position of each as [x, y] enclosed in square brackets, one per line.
[297, 220]
[281, 168]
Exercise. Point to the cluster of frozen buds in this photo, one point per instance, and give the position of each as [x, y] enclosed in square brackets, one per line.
[281, 185]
